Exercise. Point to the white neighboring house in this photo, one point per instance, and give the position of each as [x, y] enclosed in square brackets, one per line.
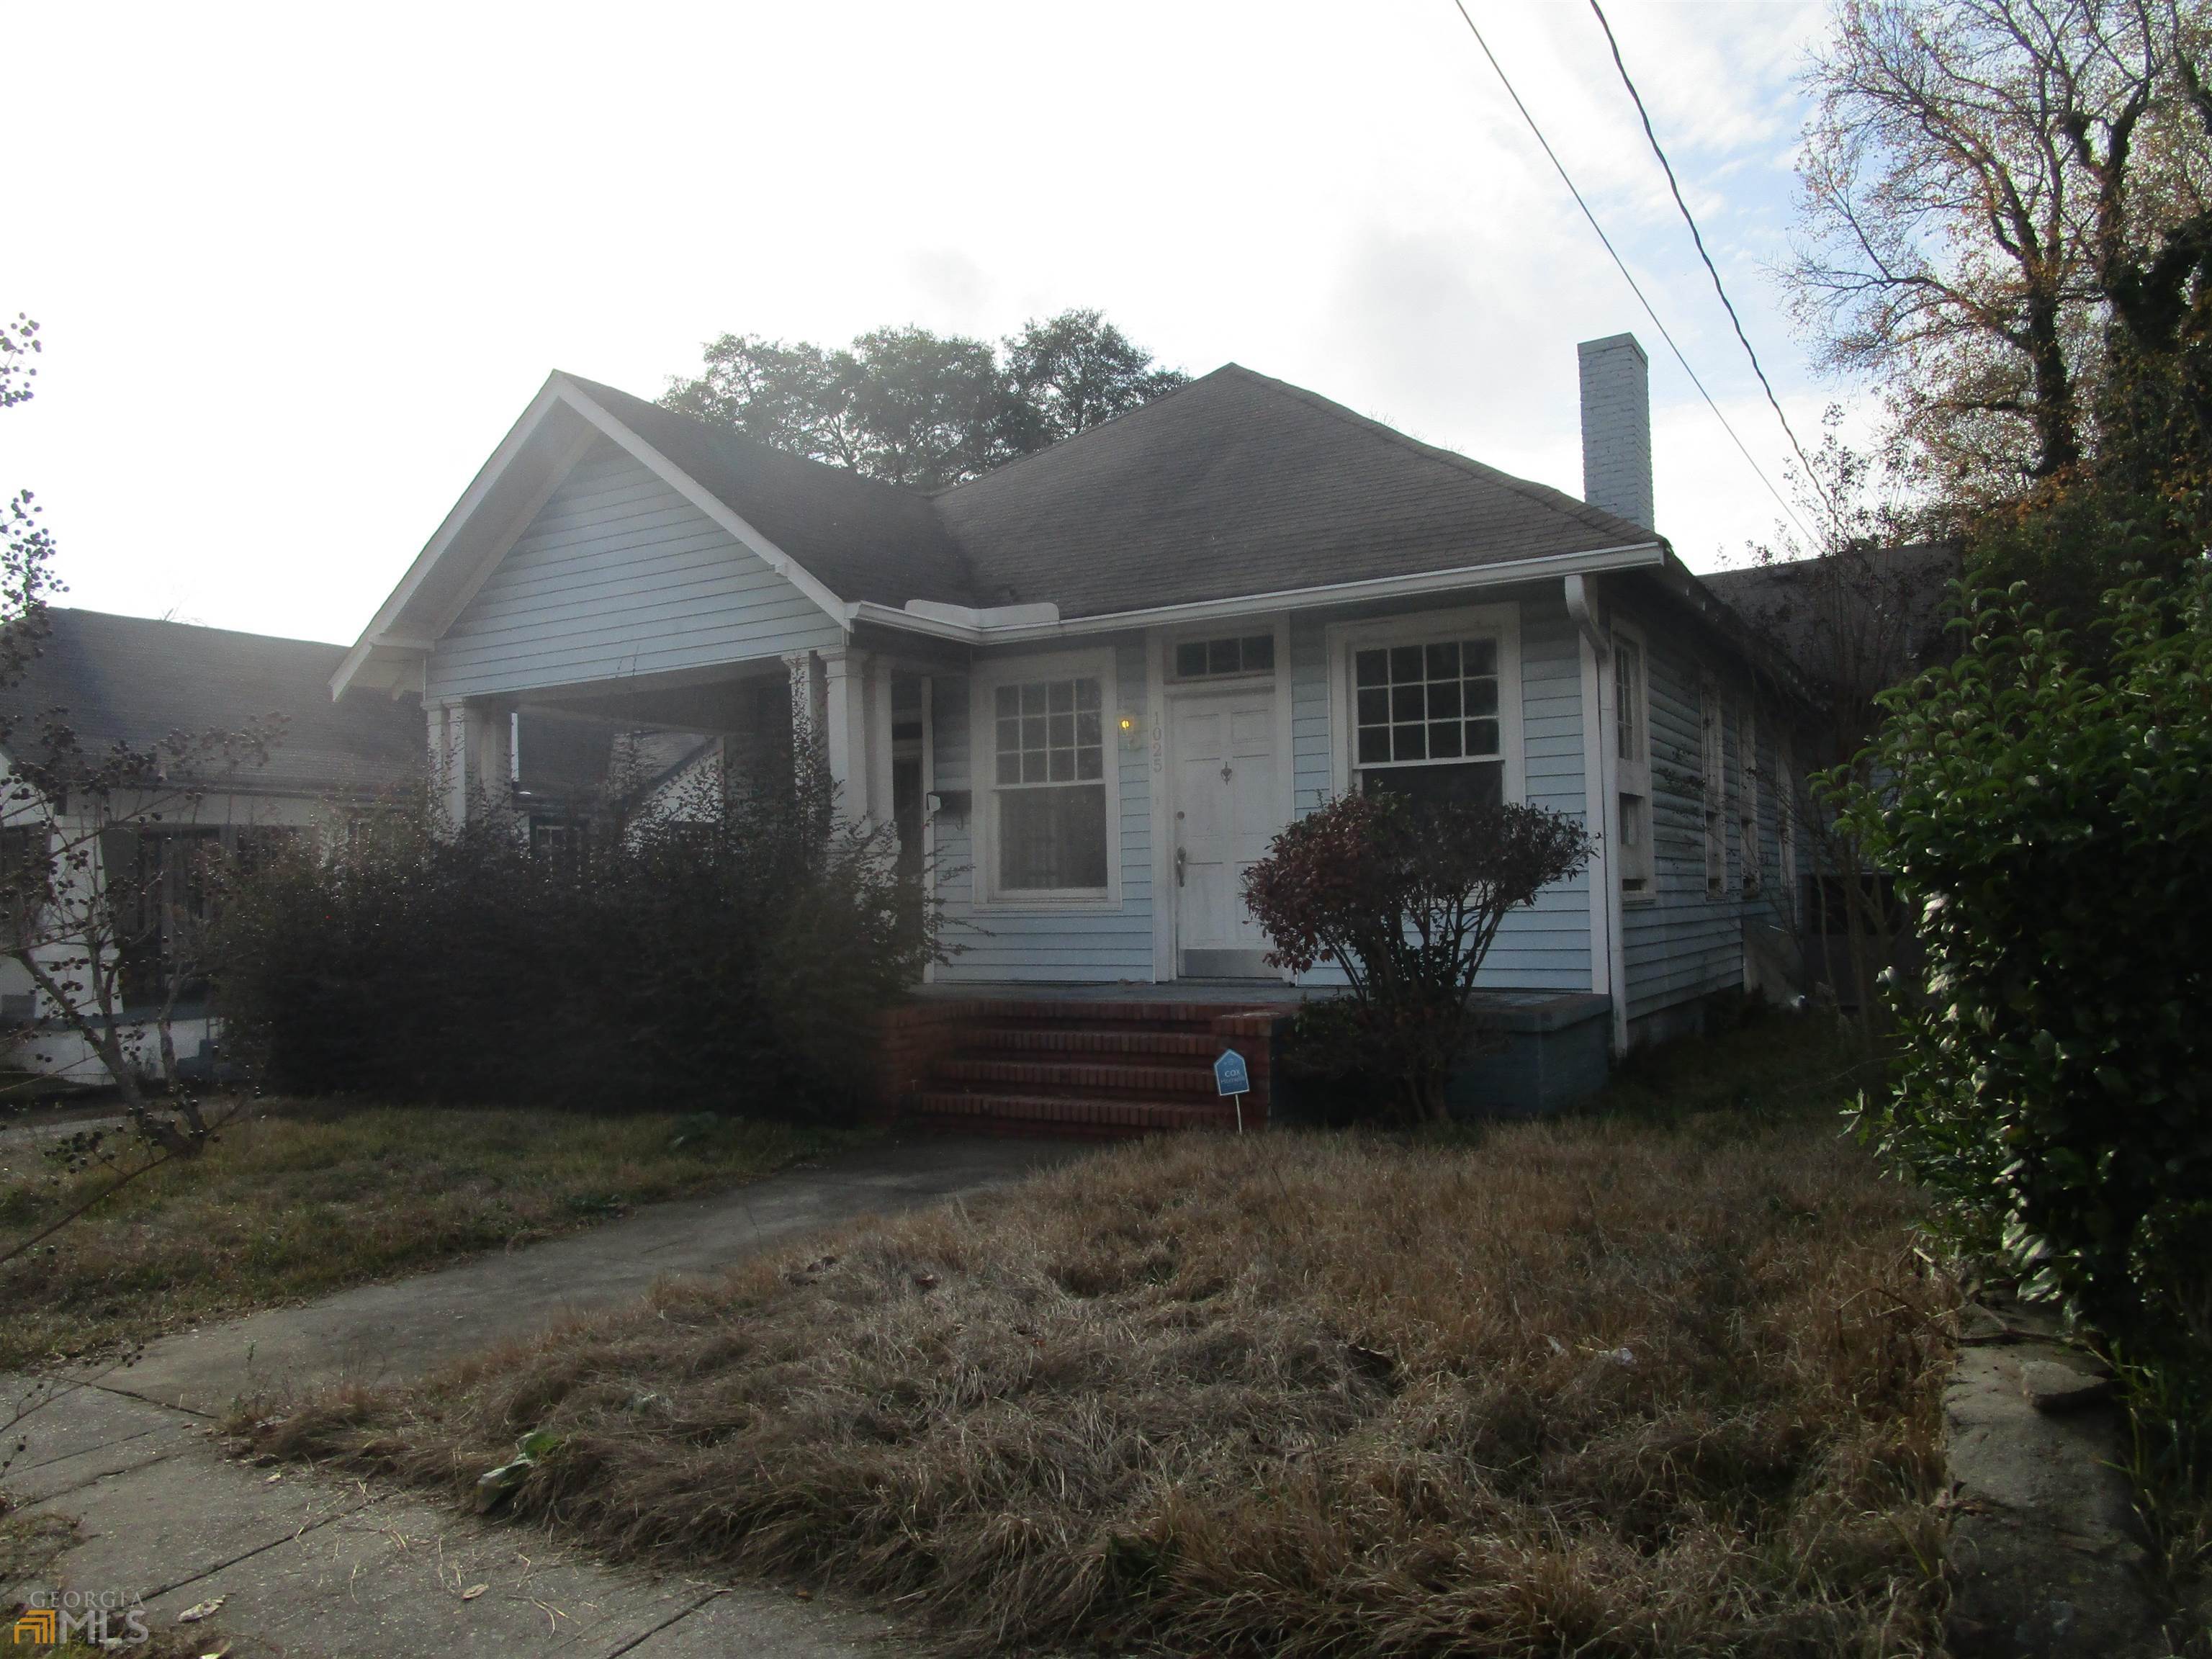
[131, 681]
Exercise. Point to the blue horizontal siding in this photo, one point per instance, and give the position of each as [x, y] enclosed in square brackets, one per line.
[1547, 946]
[619, 575]
[1682, 943]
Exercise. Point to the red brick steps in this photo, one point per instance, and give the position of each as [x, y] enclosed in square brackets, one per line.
[1058, 1066]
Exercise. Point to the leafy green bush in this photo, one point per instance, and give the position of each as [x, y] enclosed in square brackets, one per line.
[1407, 899]
[2052, 826]
[725, 956]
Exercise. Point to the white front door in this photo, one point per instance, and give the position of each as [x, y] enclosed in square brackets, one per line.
[1226, 805]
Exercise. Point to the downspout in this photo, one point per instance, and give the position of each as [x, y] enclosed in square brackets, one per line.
[1605, 910]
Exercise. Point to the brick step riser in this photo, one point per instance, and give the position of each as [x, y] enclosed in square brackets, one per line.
[1078, 1075]
[1055, 1041]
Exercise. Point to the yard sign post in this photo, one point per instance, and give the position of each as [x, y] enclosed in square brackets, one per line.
[1229, 1078]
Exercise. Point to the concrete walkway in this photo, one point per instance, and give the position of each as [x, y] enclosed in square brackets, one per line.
[304, 1564]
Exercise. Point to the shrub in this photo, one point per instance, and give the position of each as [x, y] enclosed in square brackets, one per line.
[1407, 899]
[722, 955]
[2052, 825]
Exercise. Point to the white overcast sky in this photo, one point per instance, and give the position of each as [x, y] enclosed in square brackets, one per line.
[300, 267]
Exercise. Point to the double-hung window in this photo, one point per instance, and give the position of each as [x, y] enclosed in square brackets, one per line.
[1631, 724]
[1050, 794]
[1432, 707]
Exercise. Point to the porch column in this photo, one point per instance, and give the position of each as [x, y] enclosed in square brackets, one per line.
[449, 772]
[846, 729]
[470, 758]
[808, 714]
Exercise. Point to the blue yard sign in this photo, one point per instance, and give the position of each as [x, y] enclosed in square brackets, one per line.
[1229, 1078]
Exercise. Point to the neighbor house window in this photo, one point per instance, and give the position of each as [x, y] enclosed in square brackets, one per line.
[1631, 696]
[1246, 653]
[1048, 788]
[1426, 720]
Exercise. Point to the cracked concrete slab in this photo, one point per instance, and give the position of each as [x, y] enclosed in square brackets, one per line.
[2044, 1555]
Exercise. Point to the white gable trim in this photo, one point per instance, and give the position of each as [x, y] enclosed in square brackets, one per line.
[516, 528]
[557, 391]
[377, 633]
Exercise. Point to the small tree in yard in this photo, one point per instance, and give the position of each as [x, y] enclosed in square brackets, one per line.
[1407, 899]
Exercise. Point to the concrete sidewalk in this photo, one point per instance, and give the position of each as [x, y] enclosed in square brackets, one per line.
[307, 1564]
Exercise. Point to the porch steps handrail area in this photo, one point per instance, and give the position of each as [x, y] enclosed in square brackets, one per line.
[1106, 1068]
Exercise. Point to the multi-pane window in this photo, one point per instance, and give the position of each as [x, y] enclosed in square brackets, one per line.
[1628, 678]
[1425, 719]
[1050, 794]
[1632, 748]
[1247, 654]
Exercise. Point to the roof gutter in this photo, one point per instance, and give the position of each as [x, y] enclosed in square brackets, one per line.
[1020, 625]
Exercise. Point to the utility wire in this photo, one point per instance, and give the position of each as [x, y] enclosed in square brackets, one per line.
[1634, 287]
[1811, 476]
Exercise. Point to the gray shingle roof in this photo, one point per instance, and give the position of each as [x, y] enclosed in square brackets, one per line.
[1235, 484]
[1239, 484]
[132, 680]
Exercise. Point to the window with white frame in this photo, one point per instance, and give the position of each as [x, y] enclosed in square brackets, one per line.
[1426, 721]
[1242, 653]
[1049, 795]
[1634, 734]
[1631, 694]
[1713, 764]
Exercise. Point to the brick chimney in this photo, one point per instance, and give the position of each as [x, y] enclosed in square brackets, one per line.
[1617, 427]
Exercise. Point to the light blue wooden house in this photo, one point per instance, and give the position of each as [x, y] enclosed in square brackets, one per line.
[1094, 683]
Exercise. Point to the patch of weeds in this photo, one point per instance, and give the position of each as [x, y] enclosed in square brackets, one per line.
[304, 1197]
[1593, 1385]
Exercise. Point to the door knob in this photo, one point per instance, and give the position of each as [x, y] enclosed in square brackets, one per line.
[1181, 859]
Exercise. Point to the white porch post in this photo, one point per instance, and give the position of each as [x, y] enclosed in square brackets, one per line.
[878, 720]
[470, 757]
[846, 729]
[449, 758]
[809, 715]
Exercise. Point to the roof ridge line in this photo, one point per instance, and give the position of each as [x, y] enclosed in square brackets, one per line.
[943, 490]
[200, 628]
[728, 435]
[1527, 489]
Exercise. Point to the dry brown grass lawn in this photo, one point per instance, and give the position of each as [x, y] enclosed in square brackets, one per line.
[297, 1200]
[1604, 1387]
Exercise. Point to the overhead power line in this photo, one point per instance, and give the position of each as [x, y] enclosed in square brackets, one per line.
[1628, 276]
[1811, 476]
